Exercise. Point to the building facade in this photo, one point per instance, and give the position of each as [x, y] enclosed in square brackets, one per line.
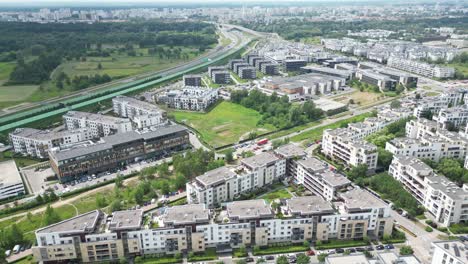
[193, 99]
[98, 125]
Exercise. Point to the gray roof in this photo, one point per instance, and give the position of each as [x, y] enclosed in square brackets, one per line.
[137, 103]
[335, 179]
[10, 174]
[249, 209]
[96, 117]
[84, 223]
[215, 176]
[113, 140]
[456, 249]
[415, 163]
[313, 164]
[125, 220]
[260, 160]
[186, 214]
[290, 151]
[361, 199]
[307, 205]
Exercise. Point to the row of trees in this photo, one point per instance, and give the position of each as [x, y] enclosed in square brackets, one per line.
[35, 71]
[277, 111]
[80, 82]
[451, 168]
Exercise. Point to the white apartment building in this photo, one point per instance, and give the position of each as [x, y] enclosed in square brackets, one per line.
[11, 184]
[421, 68]
[344, 145]
[99, 125]
[225, 183]
[37, 143]
[455, 117]
[443, 199]
[142, 114]
[450, 252]
[432, 105]
[189, 98]
[317, 177]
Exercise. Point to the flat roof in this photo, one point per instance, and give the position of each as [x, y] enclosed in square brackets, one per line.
[186, 214]
[96, 117]
[128, 219]
[79, 224]
[290, 151]
[456, 249]
[335, 179]
[10, 174]
[351, 259]
[248, 209]
[307, 205]
[137, 103]
[392, 257]
[358, 198]
[260, 160]
[312, 163]
[327, 104]
[215, 176]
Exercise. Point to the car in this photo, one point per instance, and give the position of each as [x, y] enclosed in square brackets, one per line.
[331, 252]
[370, 248]
[310, 253]
[269, 257]
[359, 249]
[23, 248]
[339, 250]
[7, 253]
[249, 259]
[379, 247]
[389, 246]
[352, 250]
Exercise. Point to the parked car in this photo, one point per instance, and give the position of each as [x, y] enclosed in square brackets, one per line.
[379, 247]
[269, 257]
[352, 250]
[249, 259]
[7, 253]
[16, 249]
[370, 248]
[310, 253]
[339, 250]
[359, 249]
[389, 246]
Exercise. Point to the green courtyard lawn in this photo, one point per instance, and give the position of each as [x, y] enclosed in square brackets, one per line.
[277, 194]
[227, 123]
[277, 249]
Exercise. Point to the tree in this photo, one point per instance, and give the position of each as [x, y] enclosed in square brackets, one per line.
[321, 258]
[261, 260]
[116, 205]
[99, 66]
[406, 250]
[100, 201]
[229, 156]
[357, 172]
[303, 259]
[2, 256]
[418, 96]
[139, 195]
[385, 158]
[395, 104]
[179, 182]
[163, 170]
[241, 261]
[29, 216]
[119, 181]
[282, 260]
[50, 216]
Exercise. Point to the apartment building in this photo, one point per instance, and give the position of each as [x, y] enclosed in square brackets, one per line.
[247, 72]
[141, 113]
[192, 99]
[430, 105]
[226, 183]
[269, 68]
[116, 151]
[452, 118]
[344, 145]
[421, 68]
[219, 74]
[384, 82]
[443, 199]
[345, 74]
[193, 80]
[98, 125]
[317, 177]
[36, 143]
[293, 64]
[291, 153]
[95, 236]
[449, 252]
[11, 184]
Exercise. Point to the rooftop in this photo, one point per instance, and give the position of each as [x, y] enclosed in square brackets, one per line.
[328, 105]
[137, 103]
[351, 259]
[216, 176]
[290, 151]
[307, 205]
[10, 174]
[248, 209]
[124, 220]
[358, 198]
[260, 160]
[186, 214]
[96, 117]
[83, 223]
[456, 249]
[334, 179]
[313, 164]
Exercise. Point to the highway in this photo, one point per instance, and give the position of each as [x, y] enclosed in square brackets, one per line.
[88, 98]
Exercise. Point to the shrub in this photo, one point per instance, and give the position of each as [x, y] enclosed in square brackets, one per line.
[428, 229]
[406, 250]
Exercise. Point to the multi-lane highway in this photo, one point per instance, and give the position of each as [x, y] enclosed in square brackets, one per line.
[239, 41]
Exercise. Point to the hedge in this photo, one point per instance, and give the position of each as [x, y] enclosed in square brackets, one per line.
[331, 244]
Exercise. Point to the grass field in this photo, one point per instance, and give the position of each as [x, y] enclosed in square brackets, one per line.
[361, 98]
[16, 93]
[225, 124]
[5, 69]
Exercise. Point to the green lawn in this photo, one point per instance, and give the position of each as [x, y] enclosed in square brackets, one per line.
[208, 254]
[5, 69]
[162, 260]
[461, 67]
[224, 124]
[278, 194]
[316, 133]
[17, 92]
[280, 249]
[341, 244]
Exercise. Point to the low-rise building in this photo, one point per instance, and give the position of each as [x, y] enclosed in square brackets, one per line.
[11, 184]
[384, 82]
[193, 80]
[36, 143]
[193, 99]
[219, 74]
[449, 252]
[293, 64]
[452, 118]
[116, 151]
[141, 113]
[345, 74]
[98, 125]
[421, 68]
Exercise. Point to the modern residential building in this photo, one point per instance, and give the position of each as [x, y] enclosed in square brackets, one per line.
[193, 80]
[11, 184]
[98, 125]
[345, 74]
[36, 143]
[449, 252]
[293, 64]
[384, 82]
[443, 199]
[292, 154]
[269, 68]
[141, 113]
[193, 99]
[95, 236]
[116, 151]
[452, 118]
[343, 145]
[233, 62]
[226, 183]
[219, 74]
[247, 72]
[421, 68]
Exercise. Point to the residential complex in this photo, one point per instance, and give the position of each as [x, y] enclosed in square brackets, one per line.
[98, 125]
[193, 80]
[36, 143]
[449, 252]
[115, 151]
[227, 183]
[294, 64]
[421, 68]
[95, 236]
[189, 98]
[141, 113]
[452, 118]
[443, 199]
[384, 82]
[11, 184]
[219, 74]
